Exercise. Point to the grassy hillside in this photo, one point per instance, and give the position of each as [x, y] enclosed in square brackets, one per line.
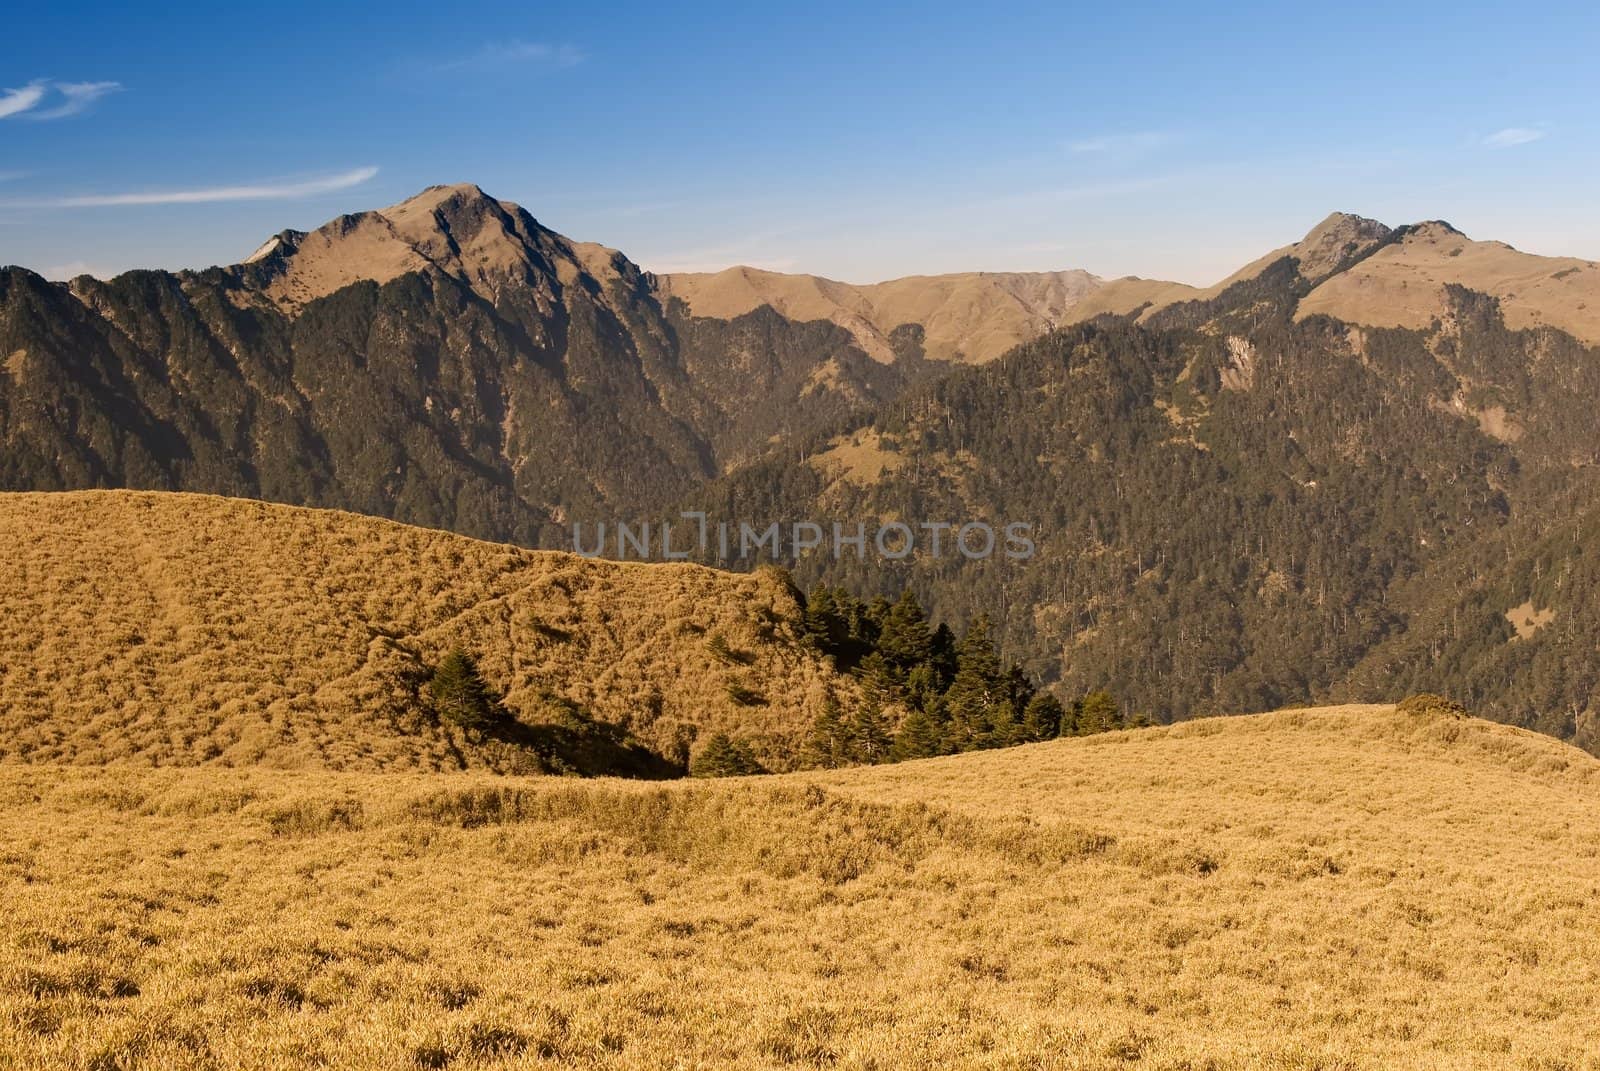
[181, 629]
[1336, 889]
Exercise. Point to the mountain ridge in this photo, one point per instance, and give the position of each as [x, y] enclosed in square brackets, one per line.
[1246, 497]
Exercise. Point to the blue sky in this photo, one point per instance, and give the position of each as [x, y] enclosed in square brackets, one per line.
[1169, 141]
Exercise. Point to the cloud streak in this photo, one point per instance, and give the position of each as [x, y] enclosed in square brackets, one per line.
[266, 191]
[504, 54]
[1514, 135]
[63, 99]
[18, 101]
[76, 97]
[1136, 141]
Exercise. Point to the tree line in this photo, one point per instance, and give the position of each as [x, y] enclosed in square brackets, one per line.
[925, 691]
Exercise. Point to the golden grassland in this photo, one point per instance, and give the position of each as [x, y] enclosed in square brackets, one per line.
[1337, 889]
[182, 629]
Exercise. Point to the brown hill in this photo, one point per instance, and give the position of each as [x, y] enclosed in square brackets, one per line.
[181, 629]
[1402, 284]
[971, 316]
[1364, 273]
[1326, 248]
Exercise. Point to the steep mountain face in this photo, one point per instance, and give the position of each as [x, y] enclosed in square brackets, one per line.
[1239, 506]
[446, 361]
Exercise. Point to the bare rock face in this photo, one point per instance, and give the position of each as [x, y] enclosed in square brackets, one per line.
[458, 231]
[1336, 242]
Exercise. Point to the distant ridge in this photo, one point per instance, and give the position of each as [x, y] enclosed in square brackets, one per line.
[969, 316]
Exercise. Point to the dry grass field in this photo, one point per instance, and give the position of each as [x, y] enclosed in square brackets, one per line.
[1335, 889]
[184, 629]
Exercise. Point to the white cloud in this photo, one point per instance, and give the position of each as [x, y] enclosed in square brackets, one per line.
[18, 101]
[1513, 135]
[267, 191]
[76, 97]
[502, 54]
[63, 98]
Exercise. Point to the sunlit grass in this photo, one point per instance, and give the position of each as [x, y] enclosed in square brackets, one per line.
[1330, 889]
[181, 629]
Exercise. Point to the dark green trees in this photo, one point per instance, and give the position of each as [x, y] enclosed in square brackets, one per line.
[925, 693]
[724, 756]
[829, 743]
[459, 694]
[1041, 719]
[977, 700]
[905, 641]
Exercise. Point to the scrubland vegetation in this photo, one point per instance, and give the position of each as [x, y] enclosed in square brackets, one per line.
[1336, 889]
[182, 629]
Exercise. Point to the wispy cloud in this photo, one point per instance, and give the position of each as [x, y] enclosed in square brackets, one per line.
[1134, 141]
[265, 191]
[76, 97]
[61, 99]
[500, 55]
[18, 101]
[1514, 135]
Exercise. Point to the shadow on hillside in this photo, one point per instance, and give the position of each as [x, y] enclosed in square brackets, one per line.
[584, 747]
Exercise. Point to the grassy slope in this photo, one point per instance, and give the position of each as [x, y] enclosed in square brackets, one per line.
[182, 629]
[1344, 888]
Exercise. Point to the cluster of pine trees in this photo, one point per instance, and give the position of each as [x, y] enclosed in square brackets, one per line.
[927, 692]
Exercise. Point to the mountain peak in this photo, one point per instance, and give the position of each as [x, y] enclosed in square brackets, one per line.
[1332, 244]
[1434, 229]
[434, 198]
[456, 229]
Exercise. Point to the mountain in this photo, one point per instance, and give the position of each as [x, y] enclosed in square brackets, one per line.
[444, 361]
[187, 629]
[1344, 888]
[1240, 506]
[1350, 470]
[1405, 283]
[970, 317]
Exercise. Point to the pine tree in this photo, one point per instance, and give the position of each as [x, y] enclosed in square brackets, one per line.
[870, 734]
[1010, 720]
[459, 693]
[828, 746]
[724, 756]
[1098, 713]
[942, 655]
[919, 737]
[825, 626]
[878, 684]
[977, 692]
[905, 641]
[1042, 718]
[873, 617]
[922, 686]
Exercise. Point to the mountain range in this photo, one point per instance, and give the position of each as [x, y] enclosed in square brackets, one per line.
[1361, 465]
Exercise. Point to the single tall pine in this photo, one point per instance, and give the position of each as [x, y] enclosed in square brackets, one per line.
[459, 693]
